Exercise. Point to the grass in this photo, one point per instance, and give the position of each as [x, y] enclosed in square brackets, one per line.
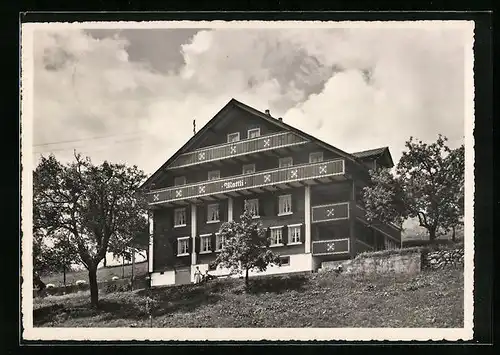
[103, 274]
[429, 299]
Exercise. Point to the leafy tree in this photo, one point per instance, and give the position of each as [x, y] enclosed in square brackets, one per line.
[246, 246]
[428, 185]
[93, 204]
[61, 255]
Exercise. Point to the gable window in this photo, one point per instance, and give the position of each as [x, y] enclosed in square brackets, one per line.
[284, 205]
[254, 133]
[214, 175]
[315, 157]
[182, 246]
[180, 180]
[233, 137]
[253, 207]
[213, 213]
[205, 243]
[284, 162]
[276, 236]
[179, 217]
[294, 234]
[248, 168]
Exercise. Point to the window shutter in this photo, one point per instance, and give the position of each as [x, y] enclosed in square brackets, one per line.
[213, 241]
[276, 206]
[197, 244]
[260, 206]
[303, 233]
[174, 247]
[284, 232]
[190, 245]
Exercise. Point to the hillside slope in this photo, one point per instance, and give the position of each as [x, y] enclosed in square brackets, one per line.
[429, 299]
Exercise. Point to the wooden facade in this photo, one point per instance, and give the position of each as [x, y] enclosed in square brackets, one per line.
[304, 191]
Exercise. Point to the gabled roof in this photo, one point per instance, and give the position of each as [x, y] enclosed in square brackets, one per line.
[375, 154]
[235, 103]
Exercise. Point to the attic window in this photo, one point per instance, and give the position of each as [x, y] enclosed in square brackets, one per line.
[233, 137]
[253, 133]
[315, 157]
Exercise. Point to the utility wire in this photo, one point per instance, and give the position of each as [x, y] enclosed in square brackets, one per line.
[87, 139]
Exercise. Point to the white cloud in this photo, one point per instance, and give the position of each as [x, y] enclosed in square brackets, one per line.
[415, 87]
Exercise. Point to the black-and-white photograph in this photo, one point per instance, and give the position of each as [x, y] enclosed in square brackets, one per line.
[247, 180]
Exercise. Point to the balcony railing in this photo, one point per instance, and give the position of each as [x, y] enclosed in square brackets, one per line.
[248, 181]
[330, 212]
[229, 150]
[331, 247]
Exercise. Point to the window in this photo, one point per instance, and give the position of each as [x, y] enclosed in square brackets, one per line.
[214, 175]
[253, 207]
[205, 243]
[249, 169]
[294, 234]
[284, 260]
[219, 241]
[182, 246]
[180, 180]
[213, 213]
[276, 236]
[254, 133]
[285, 205]
[233, 137]
[284, 162]
[315, 157]
[179, 217]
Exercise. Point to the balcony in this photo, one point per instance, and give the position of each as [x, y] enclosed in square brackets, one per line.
[331, 247]
[259, 181]
[330, 212]
[239, 148]
[388, 229]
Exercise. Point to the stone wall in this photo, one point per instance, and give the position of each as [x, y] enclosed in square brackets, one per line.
[439, 259]
[406, 260]
[410, 262]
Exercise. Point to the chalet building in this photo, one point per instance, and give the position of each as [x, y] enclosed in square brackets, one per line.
[306, 192]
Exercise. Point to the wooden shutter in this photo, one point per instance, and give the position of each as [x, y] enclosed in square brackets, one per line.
[190, 245]
[174, 246]
[213, 241]
[222, 211]
[303, 233]
[261, 209]
[197, 242]
[284, 235]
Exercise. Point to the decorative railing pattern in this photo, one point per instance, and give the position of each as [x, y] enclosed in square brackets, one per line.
[248, 181]
[330, 247]
[229, 150]
[330, 212]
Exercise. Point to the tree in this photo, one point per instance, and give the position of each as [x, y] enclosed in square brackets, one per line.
[93, 204]
[246, 246]
[62, 255]
[428, 185]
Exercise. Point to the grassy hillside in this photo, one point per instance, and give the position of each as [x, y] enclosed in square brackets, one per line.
[103, 274]
[429, 299]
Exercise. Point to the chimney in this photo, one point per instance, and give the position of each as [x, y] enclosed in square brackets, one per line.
[268, 112]
[281, 119]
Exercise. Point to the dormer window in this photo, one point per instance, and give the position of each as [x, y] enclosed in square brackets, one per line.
[253, 133]
[180, 180]
[316, 157]
[233, 137]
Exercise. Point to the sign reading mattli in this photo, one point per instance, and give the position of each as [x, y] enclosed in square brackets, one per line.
[330, 247]
[270, 177]
[332, 212]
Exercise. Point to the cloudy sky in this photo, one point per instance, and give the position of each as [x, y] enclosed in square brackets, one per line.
[131, 95]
